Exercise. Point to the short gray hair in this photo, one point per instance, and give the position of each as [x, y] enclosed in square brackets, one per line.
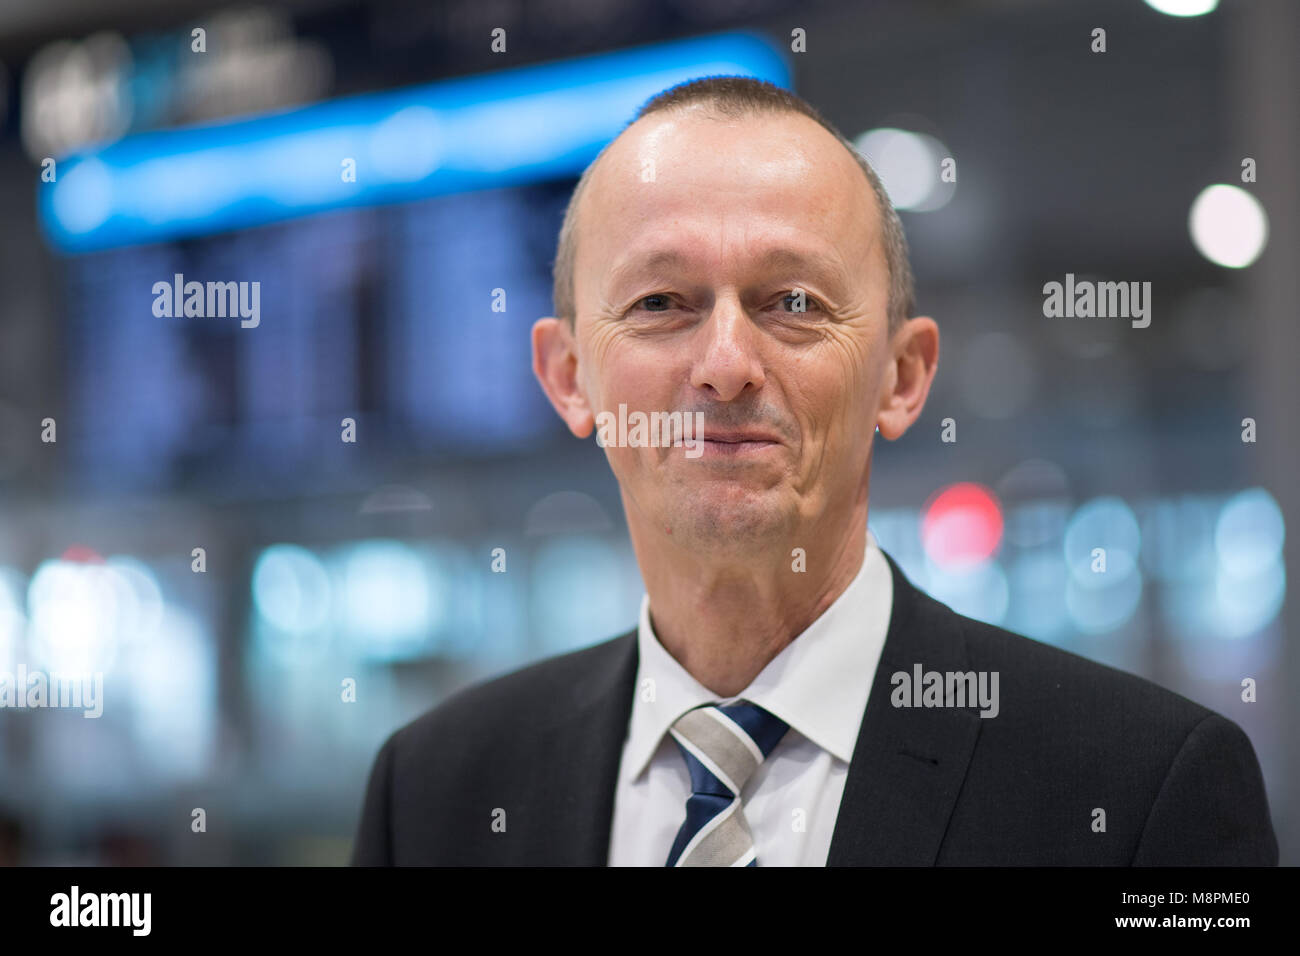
[731, 97]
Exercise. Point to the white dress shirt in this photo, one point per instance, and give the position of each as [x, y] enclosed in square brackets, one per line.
[818, 684]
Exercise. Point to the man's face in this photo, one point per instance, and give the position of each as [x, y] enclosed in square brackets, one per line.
[694, 234]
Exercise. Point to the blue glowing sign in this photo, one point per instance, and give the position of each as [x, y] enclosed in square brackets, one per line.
[517, 126]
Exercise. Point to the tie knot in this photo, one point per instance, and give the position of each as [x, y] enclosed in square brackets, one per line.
[723, 745]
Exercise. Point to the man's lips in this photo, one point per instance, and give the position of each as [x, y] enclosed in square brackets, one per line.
[733, 438]
[736, 444]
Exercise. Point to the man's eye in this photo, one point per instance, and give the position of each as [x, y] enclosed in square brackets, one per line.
[655, 303]
[798, 302]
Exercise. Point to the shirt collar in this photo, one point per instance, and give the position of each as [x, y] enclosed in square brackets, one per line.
[846, 639]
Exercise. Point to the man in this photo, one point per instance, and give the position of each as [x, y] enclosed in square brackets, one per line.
[730, 255]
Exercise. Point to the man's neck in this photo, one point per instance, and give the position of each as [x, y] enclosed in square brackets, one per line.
[724, 621]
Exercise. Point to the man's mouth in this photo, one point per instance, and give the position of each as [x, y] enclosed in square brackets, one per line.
[733, 444]
[736, 438]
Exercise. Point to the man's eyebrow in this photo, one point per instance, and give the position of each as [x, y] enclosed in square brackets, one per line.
[777, 258]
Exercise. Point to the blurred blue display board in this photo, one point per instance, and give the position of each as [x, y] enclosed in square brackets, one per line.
[515, 127]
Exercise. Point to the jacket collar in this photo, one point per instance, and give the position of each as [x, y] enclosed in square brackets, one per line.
[907, 768]
[909, 763]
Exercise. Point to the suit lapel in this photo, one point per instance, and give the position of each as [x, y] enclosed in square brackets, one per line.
[909, 763]
[581, 755]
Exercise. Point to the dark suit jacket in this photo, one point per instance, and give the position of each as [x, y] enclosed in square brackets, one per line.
[1179, 784]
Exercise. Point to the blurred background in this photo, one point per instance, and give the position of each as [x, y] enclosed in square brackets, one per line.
[266, 601]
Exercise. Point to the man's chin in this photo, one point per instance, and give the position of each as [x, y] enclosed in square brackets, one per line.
[722, 523]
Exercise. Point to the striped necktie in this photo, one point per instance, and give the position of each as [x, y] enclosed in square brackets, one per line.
[722, 746]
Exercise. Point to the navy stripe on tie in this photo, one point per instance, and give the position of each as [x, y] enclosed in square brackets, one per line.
[710, 797]
[765, 729]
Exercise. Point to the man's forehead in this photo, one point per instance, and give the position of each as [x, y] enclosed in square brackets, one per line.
[685, 163]
[685, 143]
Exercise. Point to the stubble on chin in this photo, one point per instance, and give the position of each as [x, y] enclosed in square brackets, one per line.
[725, 524]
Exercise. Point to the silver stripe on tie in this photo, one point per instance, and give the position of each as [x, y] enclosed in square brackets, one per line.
[721, 757]
[722, 743]
[723, 841]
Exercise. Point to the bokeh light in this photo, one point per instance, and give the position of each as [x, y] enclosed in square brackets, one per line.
[1228, 226]
[1183, 8]
[962, 526]
[909, 167]
[1249, 533]
[386, 596]
[1108, 524]
[291, 589]
[979, 591]
[73, 611]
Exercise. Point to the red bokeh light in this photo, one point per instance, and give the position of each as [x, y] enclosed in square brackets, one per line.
[961, 524]
[81, 554]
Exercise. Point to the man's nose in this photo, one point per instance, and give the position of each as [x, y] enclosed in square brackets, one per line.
[728, 347]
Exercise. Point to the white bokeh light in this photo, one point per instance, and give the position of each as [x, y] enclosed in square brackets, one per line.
[909, 166]
[1228, 226]
[291, 589]
[1183, 8]
[73, 609]
[386, 594]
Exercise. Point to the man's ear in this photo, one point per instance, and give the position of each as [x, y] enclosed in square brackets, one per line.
[914, 358]
[555, 363]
